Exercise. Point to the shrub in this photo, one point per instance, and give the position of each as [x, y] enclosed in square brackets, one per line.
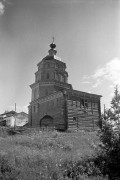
[109, 149]
[82, 169]
[7, 170]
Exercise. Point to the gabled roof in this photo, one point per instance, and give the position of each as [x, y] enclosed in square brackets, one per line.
[76, 92]
[8, 113]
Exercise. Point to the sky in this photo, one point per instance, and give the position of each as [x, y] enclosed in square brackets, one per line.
[87, 37]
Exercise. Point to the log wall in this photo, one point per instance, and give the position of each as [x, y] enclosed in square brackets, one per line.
[81, 117]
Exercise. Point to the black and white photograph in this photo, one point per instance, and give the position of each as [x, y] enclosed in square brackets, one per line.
[59, 89]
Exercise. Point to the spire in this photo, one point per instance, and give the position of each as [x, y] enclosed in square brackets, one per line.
[53, 39]
[52, 46]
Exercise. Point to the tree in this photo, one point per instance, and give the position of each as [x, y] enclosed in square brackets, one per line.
[109, 150]
[115, 104]
[112, 115]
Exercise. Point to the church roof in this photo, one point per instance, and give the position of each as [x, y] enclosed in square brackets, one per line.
[77, 92]
[52, 57]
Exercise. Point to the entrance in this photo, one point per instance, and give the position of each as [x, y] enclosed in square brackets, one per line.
[46, 121]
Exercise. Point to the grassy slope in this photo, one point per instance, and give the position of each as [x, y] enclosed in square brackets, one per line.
[41, 154]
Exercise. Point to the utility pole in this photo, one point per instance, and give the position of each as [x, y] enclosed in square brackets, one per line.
[104, 111]
[15, 118]
[15, 107]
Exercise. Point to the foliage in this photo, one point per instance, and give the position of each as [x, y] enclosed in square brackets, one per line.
[113, 114]
[85, 167]
[109, 149]
[42, 155]
[7, 170]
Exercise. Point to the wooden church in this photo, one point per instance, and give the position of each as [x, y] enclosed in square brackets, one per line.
[55, 104]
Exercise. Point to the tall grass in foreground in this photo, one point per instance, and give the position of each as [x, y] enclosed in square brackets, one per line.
[37, 155]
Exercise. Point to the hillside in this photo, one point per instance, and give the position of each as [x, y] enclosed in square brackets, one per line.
[42, 155]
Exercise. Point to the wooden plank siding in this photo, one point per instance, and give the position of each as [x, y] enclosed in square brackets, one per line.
[81, 117]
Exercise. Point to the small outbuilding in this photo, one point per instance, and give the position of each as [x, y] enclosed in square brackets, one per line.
[15, 119]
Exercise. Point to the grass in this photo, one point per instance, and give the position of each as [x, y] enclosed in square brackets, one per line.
[37, 155]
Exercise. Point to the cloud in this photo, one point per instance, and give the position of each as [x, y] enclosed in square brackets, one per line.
[110, 72]
[2, 8]
[85, 82]
[97, 83]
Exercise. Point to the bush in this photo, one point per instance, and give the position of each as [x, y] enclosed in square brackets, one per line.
[108, 156]
[82, 169]
[7, 170]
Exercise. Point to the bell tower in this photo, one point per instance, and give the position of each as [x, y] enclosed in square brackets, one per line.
[51, 75]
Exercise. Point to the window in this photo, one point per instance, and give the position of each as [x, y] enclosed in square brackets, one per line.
[75, 119]
[82, 102]
[48, 75]
[86, 103]
[48, 65]
[94, 105]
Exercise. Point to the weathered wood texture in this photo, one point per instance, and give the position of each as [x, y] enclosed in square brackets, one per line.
[81, 117]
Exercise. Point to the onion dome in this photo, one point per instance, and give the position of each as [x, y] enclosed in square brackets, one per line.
[53, 46]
